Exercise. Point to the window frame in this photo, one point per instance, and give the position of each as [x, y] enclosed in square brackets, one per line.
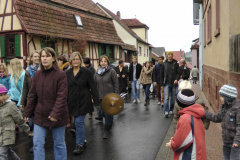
[218, 20]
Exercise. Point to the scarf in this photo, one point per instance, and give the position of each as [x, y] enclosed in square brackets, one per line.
[32, 69]
[101, 70]
[2, 75]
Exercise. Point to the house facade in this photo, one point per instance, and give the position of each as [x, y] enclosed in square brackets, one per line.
[221, 56]
[28, 25]
[139, 46]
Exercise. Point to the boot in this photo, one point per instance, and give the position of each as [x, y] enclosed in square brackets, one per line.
[145, 103]
[78, 149]
[99, 117]
[31, 150]
[106, 131]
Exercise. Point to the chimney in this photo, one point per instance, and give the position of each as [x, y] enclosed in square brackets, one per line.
[180, 53]
[119, 14]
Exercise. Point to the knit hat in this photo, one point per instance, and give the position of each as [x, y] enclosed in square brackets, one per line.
[228, 90]
[185, 98]
[86, 61]
[169, 53]
[3, 89]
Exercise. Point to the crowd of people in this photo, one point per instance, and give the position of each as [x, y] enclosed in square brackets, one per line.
[54, 92]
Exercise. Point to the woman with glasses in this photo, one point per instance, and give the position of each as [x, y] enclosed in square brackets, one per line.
[81, 90]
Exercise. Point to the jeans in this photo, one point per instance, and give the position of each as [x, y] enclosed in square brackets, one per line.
[195, 80]
[146, 89]
[31, 125]
[135, 90]
[169, 89]
[230, 153]
[60, 151]
[80, 129]
[6, 153]
[108, 118]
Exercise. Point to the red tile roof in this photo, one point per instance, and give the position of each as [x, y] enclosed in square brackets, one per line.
[43, 19]
[176, 56]
[86, 5]
[134, 23]
[129, 47]
[122, 23]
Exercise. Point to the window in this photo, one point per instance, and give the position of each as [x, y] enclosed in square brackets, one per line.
[140, 51]
[234, 59]
[209, 25]
[11, 46]
[78, 21]
[48, 42]
[111, 52]
[217, 32]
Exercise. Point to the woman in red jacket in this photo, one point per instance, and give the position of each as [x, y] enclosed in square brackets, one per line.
[48, 103]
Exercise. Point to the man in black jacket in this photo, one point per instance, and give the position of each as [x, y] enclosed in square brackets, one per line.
[134, 74]
[169, 80]
[184, 70]
[156, 79]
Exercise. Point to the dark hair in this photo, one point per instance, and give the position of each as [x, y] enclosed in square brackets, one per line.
[120, 61]
[62, 58]
[195, 67]
[161, 57]
[86, 60]
[149, 64]
[49, 51]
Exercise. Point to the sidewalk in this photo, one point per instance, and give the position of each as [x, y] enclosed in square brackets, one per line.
[213, 136]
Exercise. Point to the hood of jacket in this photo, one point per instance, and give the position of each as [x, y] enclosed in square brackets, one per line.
[90, 66]
[195, 110]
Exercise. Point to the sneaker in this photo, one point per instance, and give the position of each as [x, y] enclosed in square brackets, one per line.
[30, 134]
[145, 103]
[78, 149]
[73, 132]
[105, 134]
[134, 101]
[138, 100]
[159, 103]
[170, 112]
[166, 114]
[31, 150]
[99, 118]
[85, 143]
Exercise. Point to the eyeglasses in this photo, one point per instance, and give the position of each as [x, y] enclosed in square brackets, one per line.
[76, 60]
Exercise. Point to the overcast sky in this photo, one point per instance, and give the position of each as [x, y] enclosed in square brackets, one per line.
[170, 22]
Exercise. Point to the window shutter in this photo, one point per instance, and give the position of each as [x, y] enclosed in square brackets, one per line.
[18, 45]
[99, 50]
[43, 44]
[107, 50]
[114, 56]
[3, 46]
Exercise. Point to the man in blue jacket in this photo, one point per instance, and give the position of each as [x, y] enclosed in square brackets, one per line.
[156, 79]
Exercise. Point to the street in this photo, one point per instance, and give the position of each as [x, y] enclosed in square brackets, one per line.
[138, 133]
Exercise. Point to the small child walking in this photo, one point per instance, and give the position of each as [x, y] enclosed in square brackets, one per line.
[189, 139]
[10, 115]
[229, 115]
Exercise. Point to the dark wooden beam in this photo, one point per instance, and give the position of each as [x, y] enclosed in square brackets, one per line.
[4, 13]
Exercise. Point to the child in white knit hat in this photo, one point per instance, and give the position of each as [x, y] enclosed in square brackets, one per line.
[229, 115]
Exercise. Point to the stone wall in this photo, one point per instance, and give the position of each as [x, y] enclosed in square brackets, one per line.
[213, 79]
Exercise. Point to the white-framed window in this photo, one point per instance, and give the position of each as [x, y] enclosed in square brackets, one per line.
[140, 51]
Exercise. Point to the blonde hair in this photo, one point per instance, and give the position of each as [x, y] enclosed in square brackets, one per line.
[134, 57]
[184, 85]
[16, 69]
[72, 57]
[4, 68]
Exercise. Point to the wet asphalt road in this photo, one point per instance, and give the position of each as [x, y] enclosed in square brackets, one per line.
[137, 134]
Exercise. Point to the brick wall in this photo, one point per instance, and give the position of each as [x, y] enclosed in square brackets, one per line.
[213, 80]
